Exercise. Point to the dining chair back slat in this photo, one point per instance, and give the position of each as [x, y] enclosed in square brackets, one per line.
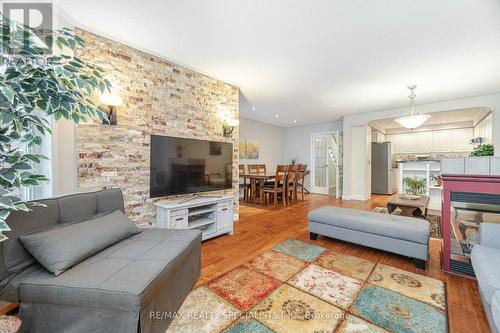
[261, 169]
[279, 181]
[243, 185]
[253, 169]
[302, 168]
[291, 182]
[281, 169]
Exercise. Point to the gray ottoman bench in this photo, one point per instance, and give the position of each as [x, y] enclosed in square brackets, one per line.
[407, 236]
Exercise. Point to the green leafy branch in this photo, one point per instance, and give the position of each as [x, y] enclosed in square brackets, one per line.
[415, 186]
[35, 84]
[483, 150]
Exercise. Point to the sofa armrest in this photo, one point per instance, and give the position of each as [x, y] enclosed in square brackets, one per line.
[489, 234]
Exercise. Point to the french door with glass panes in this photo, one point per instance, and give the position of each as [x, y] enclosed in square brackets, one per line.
[322, 171]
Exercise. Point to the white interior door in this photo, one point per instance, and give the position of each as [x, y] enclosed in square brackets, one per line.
[324, 157]
[319, 165]
[338, 143]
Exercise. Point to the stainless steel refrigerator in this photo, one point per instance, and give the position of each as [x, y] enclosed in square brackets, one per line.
[381, 168]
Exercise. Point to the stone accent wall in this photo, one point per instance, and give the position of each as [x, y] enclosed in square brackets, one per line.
[159, 97]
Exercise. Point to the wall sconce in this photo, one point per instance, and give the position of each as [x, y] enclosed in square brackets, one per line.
[229, 125]
[111, 101]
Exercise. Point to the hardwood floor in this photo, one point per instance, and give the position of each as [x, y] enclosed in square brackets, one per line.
[261, 228]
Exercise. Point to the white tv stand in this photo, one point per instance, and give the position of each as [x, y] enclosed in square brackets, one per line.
[211, 214]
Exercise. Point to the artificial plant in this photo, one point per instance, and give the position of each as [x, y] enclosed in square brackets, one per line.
[36, 84]
[483, 150]
[415, 185]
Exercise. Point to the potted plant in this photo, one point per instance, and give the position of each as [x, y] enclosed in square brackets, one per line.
[414, 187]
[438, 179]
[36, 84]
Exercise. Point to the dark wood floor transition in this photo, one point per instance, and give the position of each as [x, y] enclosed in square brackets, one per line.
[260, 228]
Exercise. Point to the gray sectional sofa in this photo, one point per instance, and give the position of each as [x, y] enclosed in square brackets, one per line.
[407, 236]
[131, 285]
[485, 258]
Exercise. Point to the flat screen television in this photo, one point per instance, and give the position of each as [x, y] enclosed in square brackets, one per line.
[185, 166]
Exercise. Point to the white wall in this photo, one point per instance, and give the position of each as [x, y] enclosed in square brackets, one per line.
[491, 102]
[360, 187]
[270, 140]
[279, 145]
[297, 142]
[63, 157]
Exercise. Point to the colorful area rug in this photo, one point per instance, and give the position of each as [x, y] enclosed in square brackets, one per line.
[435, 221]
[299, 287]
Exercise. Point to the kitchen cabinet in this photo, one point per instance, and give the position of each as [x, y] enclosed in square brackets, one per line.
[394, 140]
[378, 136]
[421, 142]
[441, 141]
[405, 143]
[460, 139]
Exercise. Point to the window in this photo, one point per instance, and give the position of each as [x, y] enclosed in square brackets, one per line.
[45, 168]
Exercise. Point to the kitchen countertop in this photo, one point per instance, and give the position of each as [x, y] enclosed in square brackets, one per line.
[409, 161]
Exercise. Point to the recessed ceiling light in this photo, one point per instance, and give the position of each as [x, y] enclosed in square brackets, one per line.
[295, 121]
[276, 115]
[253, 108]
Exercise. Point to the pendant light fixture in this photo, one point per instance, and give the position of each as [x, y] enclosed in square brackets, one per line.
[415, 119]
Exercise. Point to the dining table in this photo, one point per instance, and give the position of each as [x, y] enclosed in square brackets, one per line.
[254, 179]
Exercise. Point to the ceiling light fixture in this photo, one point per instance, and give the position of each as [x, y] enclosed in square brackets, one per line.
[415, 119]
[276, 115]
[295, 121]
[253, 108]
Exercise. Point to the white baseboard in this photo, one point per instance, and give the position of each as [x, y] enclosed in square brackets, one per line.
[356, 197]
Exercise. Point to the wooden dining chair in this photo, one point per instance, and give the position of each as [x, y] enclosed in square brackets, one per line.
[281, 169]
[291, 182]
[244, 186]
[278, 187]
[261, 169]
[301, 169]
[253, 169]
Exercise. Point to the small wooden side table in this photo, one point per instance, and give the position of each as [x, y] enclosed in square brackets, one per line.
[412, 208]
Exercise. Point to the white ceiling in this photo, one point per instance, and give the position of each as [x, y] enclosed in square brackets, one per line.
[315, 61]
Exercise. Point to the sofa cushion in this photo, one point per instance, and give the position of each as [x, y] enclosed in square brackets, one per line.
[77, 207]
[60, 248]
[486, 264]
[394, 226]
[109, 200]
[121, 277]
